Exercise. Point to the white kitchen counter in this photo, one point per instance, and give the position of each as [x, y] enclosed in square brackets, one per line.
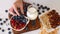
[5, 4]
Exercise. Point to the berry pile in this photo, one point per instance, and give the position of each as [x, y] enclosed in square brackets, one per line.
[18, 22]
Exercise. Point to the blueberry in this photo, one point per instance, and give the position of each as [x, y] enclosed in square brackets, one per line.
[41, 6]
[6, 19]
[9, 32]
[38, 10]
[43, 11]
[6, 10]
[3, 30]
[20, 19]
[37, 4]
[39, 13]
[8, 28]
[45, 7]
[22, 16]
[0, 19]
[24, 21]
[48, 8]
[1, 23]
[15, 18]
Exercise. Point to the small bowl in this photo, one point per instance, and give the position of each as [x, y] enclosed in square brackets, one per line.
[32, 13]
[15, 24]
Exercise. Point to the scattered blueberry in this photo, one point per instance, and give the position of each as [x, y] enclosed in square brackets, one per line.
[3, 30]
[1, 23]
[45, 7]
[39, 13]
[9, 32]
[43, 11]
[24, 21]
[6, 19]
[38, 10]
[0, 19]
[48, 8]
[15, 18]
[8, 28]
[41, 6]
[37, 4]
[6, 10]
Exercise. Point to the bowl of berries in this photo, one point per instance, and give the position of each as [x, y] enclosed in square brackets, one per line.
[18, 23]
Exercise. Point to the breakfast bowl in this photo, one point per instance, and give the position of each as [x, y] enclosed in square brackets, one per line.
[18, 23]
[32, 12]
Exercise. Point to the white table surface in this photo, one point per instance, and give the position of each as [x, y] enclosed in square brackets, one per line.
[5, 4]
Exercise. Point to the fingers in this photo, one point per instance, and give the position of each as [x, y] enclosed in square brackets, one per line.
[11, 11]
[15, 9]
[21, 7]
[22, 11]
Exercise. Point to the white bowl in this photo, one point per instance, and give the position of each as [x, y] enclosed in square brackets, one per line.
[32, 12]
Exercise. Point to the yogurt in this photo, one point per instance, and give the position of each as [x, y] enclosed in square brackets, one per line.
[32, 13]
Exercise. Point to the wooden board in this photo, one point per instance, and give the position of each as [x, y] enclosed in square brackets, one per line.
[31, 26]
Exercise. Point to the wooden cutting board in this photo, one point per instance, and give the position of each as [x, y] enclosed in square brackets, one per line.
[33, 24]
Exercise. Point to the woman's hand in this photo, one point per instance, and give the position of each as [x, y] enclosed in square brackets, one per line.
[18, 3]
